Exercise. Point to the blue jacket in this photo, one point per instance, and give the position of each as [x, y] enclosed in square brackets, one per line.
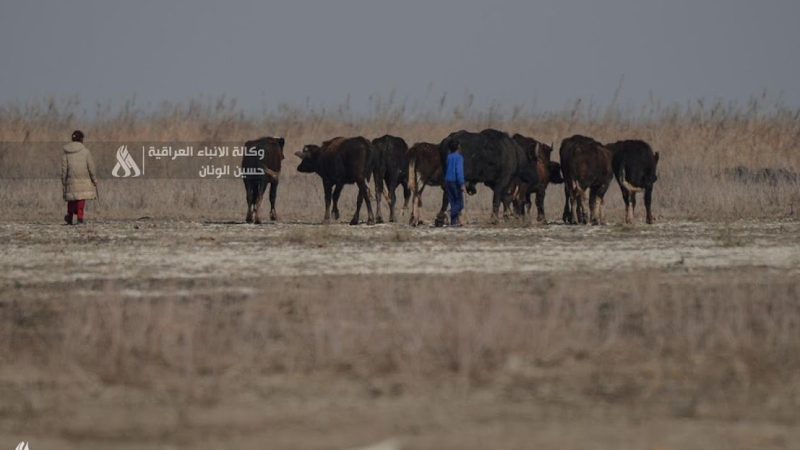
[455, 168]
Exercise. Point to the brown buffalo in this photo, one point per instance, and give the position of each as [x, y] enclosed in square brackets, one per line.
[634, 165]
[390, 168]
[338, 162]
[547, 171]
[424, 168]
[262, 164]
[586, 165]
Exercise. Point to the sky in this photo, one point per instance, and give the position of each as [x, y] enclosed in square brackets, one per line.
[541, 54]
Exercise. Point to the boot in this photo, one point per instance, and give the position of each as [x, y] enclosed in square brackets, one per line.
[68, 219]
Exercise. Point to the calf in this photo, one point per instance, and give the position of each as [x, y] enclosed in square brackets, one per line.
[634, 165]
[586, 166]
[266, 159]
[338, 162]
[390, 167]
[547, 171]
[425, 167]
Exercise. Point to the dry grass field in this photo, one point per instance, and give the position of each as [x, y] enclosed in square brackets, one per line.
[167, 323]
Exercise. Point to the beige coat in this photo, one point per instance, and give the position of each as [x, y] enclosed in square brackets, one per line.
[77, 173]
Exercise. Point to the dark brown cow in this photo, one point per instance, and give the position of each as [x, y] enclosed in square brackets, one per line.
[390, 168]
[424, 168]
[635, 166]
[338, 162]
[262, 164]
[547, 171]
[586, 165]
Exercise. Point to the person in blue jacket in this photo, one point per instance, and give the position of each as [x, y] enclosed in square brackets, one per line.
[454, 182]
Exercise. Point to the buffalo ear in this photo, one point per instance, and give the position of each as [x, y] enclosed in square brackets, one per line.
[281, 141]
[656, 157]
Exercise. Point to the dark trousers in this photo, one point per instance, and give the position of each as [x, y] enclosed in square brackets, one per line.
[456, 198]
[76, 207]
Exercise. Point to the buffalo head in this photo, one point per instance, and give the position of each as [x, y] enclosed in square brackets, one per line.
[309, 158]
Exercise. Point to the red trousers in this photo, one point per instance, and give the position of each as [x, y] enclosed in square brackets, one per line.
[76, 207]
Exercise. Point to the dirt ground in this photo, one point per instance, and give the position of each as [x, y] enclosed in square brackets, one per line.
[161, 334]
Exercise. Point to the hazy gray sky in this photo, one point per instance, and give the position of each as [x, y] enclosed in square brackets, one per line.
[511, 51]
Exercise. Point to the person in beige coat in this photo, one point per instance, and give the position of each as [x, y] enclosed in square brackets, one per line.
[77, 177]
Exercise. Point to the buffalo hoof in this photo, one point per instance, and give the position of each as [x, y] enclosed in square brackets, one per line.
[354, 222]
[650, 221]
[379, 219]
[335, 214]
[371, 221]
[494, 220]
[248, 219]
[257, 221]
[273, 216]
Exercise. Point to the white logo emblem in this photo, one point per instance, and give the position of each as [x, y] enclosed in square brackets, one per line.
[23, 446]
[125, 163]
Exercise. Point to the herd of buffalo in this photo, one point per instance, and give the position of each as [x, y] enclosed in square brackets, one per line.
[514, 167]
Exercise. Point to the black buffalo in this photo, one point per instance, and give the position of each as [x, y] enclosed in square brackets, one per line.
[338, 162]
[634, 165]
[261, 165]
[586, 166]
[425, 167]
[547, 172]
[491, 157]
[390, 168]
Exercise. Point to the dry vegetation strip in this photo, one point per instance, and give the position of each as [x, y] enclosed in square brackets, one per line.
[713, 344]
[698, 144]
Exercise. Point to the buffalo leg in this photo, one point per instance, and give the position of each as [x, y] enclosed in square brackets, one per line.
[416, 205]
[441, 217]
[337, 191]
[509, 212]
[569, 212]
[356, 216]
[262, 186]
[499, 193]
[648, 202]
[602, 209]
[363, 196]
[273, 197]
[250, 198]
[378, 195]
[593, 207]
[370, 215]
[633, 206]
[392, 186]
[582, 201]
[626, 197]
[540, 217]
[327, 187]
[406, 197]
